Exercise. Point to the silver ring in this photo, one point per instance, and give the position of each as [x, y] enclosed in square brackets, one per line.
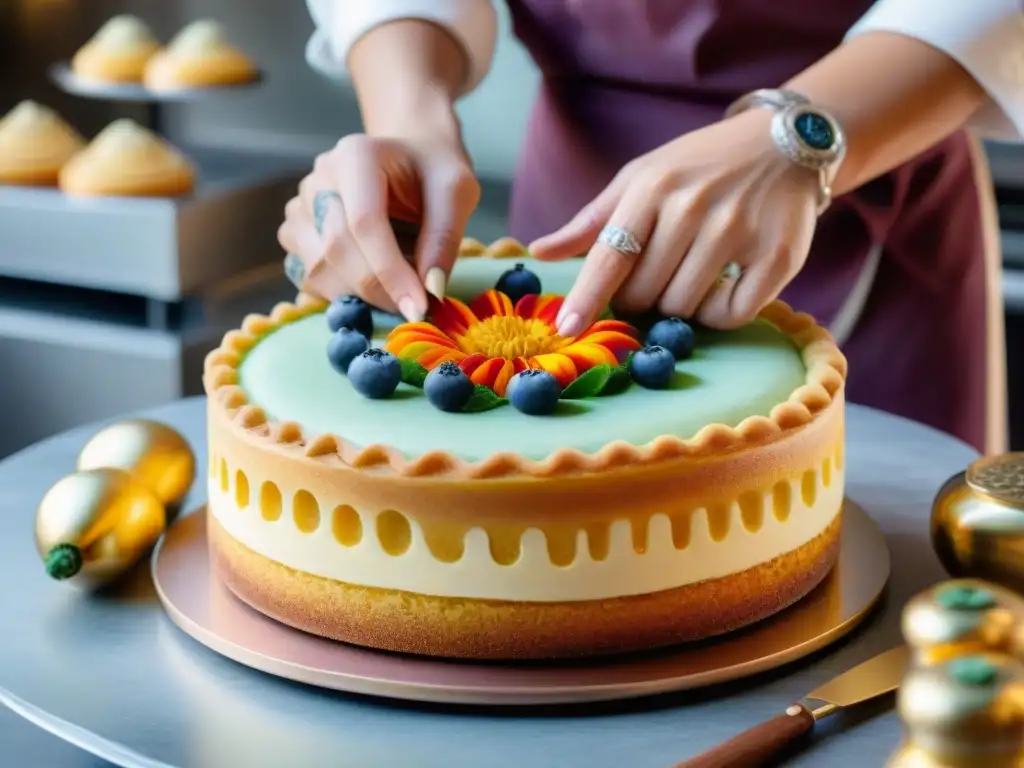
[621, 239]
[295, 270]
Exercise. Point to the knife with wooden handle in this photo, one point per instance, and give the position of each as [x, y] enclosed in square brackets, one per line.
[763, 743]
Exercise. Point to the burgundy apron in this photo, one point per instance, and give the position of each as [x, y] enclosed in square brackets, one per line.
[896, 268]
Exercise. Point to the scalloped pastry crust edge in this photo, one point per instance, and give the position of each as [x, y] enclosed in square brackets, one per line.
[825, 380]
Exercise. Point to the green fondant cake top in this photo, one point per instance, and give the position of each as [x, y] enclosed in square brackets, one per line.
[731, 375]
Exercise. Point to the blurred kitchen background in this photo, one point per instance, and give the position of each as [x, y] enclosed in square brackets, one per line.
[110, 306]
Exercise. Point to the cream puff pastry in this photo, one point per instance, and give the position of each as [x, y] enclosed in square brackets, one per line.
[127, 160]
[200, 56]
[35, 143]
[117, 53]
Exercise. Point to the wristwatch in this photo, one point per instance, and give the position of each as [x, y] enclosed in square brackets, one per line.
[806, 134]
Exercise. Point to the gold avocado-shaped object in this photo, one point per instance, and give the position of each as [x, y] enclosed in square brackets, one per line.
[95, 524]
[200, 56]
[962, 699]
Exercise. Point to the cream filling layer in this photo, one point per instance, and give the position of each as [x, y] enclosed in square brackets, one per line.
[533, 577]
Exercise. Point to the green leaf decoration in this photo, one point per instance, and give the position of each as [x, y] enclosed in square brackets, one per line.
[607, 314]
[589, 384]
[483, 399]
[413, 373]
[618, 381]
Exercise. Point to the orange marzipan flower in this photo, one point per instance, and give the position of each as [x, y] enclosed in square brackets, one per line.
[492, 341]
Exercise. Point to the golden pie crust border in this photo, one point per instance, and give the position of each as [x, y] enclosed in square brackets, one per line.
[826, 374]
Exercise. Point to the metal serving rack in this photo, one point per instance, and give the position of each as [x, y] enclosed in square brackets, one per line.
[129, 293]
[163, 249]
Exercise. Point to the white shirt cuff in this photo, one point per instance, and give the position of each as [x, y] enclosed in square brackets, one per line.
[986, 37]
[340, 23]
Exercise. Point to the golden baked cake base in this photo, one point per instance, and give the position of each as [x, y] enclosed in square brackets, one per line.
[407, 622]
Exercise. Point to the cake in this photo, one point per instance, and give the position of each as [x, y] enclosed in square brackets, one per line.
[199, 56]
[128, 160]
[117, 53]
[644, 510]
[35, 143]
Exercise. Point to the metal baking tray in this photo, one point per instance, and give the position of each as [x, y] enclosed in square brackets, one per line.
[158, 248]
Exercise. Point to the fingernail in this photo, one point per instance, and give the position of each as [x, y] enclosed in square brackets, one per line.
[570, 325]
[409, 310]
[435, 282]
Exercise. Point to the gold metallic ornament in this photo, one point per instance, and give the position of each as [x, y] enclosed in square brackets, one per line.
[154, 453]
[962, 699]
[977, 523]
[93, 525]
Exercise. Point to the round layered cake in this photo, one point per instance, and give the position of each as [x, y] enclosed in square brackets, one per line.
[632, 511]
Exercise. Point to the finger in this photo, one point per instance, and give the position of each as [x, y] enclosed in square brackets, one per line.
[772, 271]
[606, 268]
[678, 223]
[756, 287]
[364, 191]
[581, 232]
[450, 195]
[716, 309]
[343, 257]
[317, 190]
[304, 264]
[722, 238]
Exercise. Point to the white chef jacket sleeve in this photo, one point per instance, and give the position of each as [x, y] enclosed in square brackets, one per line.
[340, 23]
[985, 36]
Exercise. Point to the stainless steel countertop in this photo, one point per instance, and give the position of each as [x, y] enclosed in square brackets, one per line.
[129, 680]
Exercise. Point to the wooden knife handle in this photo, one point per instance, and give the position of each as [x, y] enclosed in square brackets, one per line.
[759, 745]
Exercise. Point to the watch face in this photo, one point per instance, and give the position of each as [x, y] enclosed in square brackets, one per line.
[815, 130]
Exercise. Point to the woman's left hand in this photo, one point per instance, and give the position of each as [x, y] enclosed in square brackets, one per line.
[717, 196]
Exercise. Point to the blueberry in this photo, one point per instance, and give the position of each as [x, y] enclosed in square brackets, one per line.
[518, 282]
[350, 312]
[344, 347]
[375, 374]
[534, 391]
[448, 388]
[674, 334]
[652, 367]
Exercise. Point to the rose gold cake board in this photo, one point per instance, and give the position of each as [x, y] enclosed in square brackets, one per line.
[204, 608]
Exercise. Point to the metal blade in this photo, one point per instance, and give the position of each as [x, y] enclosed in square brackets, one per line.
[875, 677]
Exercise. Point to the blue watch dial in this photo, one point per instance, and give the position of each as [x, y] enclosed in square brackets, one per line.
[815, 130]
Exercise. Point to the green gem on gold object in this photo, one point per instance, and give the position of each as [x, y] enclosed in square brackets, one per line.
[965, 598]
[814, 130]
[63, 561]
[973, 670]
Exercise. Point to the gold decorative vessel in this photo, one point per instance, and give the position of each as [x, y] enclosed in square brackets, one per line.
[96, 523]
[962, 699]
[977, 523]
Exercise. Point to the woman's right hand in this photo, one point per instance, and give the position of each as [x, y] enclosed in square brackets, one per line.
[339, 226]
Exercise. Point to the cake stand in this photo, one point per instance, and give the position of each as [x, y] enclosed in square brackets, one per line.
[62, 76]
[199, 604]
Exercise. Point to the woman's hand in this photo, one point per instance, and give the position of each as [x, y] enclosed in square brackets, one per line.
[719, 196]
[339, 227]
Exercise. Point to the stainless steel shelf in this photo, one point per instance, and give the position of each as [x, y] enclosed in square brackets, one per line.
[163, 249]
